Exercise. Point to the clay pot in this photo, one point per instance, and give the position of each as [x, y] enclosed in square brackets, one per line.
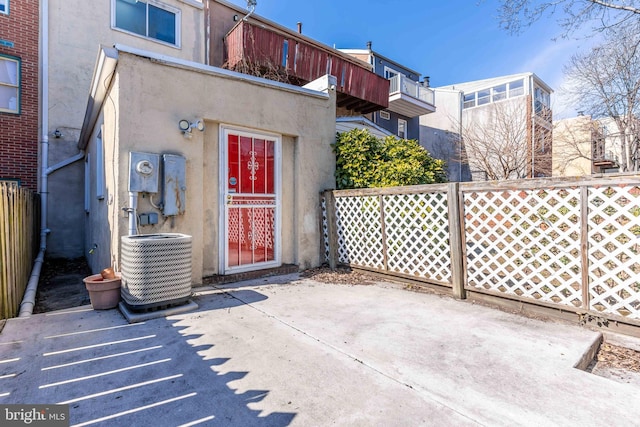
[103, 293]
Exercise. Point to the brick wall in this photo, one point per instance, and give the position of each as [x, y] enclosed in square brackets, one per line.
[19, 132]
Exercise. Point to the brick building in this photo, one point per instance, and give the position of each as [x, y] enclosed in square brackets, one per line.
[19, 91]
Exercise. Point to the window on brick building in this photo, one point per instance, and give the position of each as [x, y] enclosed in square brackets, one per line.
[4, 7]
[9, 84]
[147, 18]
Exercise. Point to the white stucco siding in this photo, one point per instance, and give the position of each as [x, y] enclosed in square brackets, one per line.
[149, 98]
[76, 30]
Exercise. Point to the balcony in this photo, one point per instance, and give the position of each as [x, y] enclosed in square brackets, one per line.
[410, 98]
[277, 55]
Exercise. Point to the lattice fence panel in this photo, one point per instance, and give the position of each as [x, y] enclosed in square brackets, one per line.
[417, 230]
[525, 243]
[614, 250]
[359, 231]
[325, 228]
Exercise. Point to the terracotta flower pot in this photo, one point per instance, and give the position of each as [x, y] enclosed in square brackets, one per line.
[103, 293]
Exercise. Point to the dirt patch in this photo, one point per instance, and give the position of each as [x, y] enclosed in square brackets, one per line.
[614, 356]
[340, 276]
[617, 363]
[61, 285]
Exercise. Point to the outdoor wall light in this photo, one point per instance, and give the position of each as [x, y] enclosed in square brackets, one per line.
[57, 133]
[186, 126]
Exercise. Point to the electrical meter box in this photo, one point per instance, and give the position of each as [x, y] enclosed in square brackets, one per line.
[144, 172]
[174, 184]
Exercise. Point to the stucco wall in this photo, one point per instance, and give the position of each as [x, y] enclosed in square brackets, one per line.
[149, 99]
[572, 139]
[440, 130]
[77, 29]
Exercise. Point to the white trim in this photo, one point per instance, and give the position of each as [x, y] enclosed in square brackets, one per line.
[389, 70]
[17, 86]
[195, 3]
[100, 180]
[6, 7]
[223, 228]
[178, 23]
[87, 183]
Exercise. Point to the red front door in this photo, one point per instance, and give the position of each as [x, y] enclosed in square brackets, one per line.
[250, 201]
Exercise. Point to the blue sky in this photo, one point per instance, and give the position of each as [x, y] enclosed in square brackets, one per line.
[451, 41]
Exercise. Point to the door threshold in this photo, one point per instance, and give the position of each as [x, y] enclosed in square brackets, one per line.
[218, 279]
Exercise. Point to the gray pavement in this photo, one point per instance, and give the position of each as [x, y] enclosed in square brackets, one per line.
[291, 351]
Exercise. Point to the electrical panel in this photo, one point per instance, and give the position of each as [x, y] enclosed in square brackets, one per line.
[174, 184]
[144, 172]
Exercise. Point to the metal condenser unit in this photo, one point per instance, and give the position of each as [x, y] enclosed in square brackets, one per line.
[156, 270]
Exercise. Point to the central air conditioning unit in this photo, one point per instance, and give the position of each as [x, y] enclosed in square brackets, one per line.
[156, 270]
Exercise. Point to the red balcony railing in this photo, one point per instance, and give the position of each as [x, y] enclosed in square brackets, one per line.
[267, 52]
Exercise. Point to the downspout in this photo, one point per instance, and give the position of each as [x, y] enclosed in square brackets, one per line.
[29, 298]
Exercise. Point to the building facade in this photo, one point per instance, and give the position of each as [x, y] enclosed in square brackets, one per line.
[209, 32]
[75, 30]
[409, 98]
[584, 146]
[492, 129]
[19, 21]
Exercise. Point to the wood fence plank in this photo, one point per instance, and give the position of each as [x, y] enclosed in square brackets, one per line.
[455, 241]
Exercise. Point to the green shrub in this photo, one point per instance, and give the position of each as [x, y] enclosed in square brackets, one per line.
[364, 161]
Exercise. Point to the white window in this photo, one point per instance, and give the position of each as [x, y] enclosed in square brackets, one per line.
[516, 88]
[390, 73]
[469, 100]
[147, 18]
[402, 128]
[499, 92]
[385, 115]
[9, 84]
[484, 96]
[4, 7]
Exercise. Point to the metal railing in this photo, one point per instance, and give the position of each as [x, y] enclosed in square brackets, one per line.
[402, 84]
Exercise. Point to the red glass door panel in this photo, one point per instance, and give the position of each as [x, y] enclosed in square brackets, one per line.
[250, 201]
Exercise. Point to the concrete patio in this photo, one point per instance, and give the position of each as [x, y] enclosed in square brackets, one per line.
[292, 351]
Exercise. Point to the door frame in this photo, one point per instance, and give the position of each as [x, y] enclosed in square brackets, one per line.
[223, 228]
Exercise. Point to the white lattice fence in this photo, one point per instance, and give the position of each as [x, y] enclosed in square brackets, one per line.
[325, 227]
[417, 233]
[521, 240]
[525, 243]
[359, 231]
[614, 250]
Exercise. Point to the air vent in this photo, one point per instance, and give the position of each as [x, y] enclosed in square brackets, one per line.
[156, 270]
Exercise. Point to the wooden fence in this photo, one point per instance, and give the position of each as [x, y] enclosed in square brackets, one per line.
[568, 244]
[19, 215]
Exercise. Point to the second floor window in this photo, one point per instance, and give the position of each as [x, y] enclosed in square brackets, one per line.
[9, 85]
[4, 7]
[149, 19]
[402, 128]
